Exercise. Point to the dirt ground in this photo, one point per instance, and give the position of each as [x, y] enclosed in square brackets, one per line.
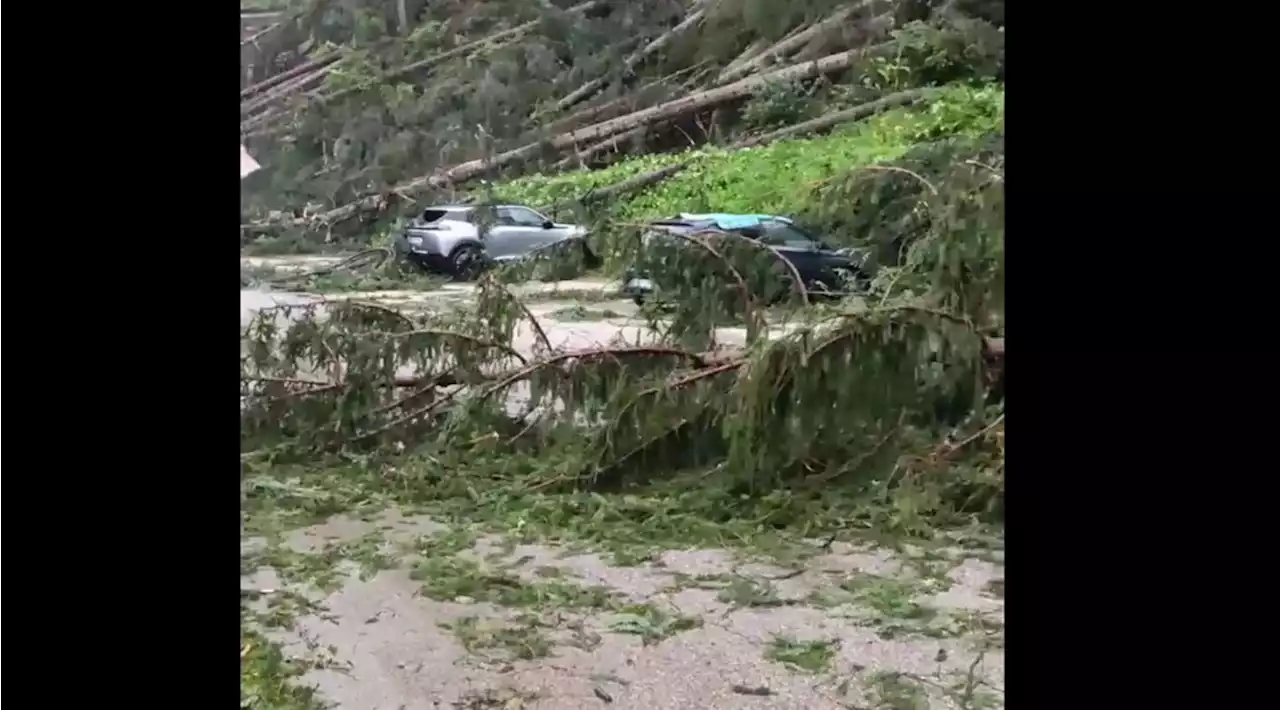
[417, 617]
[398, 612]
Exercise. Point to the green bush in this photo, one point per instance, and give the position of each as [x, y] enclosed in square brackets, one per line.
[779, 178]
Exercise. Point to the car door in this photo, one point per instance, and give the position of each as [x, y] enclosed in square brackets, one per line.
[797, 247]
[502, 237]
[529, 229]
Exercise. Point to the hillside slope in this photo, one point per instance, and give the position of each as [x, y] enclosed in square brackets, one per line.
[356, 117]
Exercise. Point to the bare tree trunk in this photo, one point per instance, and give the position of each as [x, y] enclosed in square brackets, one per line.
[705, 99]
[747, 55]
[302, 83]
[492, 41]
[582, 156]
[851, 35]
[830, 120]
[591, 87]
[615, 106]
[278, 79]
[787, 45]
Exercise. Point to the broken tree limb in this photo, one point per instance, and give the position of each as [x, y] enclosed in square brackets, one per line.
[621, 105]
[747, 55]
[787, 45]
[591, 87]
[283, 91]
[612, 143]
[851, 35]
[278, 79]
[761, 47]
[253, 38]
[830, 120]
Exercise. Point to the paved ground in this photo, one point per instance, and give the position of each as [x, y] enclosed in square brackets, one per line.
[490, 624]
[536, 627]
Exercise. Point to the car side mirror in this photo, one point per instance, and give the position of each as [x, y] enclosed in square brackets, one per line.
[548, 224]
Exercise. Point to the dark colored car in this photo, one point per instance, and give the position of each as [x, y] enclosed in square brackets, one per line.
[822, 268]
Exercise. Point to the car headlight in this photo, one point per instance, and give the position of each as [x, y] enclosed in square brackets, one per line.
[415, 241]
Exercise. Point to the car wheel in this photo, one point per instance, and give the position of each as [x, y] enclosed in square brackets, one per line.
[466, 262]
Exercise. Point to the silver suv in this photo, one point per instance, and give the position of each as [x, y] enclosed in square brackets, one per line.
[459, 239]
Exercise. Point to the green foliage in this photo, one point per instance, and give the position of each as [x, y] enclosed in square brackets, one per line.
[775, 178]
[786, 177]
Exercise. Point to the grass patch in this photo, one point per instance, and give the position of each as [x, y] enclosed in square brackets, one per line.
[486, 493]
[746, 592]
[651, 623]
[457, 578]
[269, 680]
[807, 656]
[521, 639]
[895, 691]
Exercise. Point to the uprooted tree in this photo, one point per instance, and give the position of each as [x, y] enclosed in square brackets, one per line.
[899, 388]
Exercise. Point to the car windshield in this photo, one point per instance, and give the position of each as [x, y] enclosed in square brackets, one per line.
[780, 234]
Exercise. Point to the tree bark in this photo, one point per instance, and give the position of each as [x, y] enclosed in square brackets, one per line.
[257, 104]
[614, 107]
[706, 99]
[787, 45]
[591, 87]
[594, 149]
[278, 79]
[826, 121]
[747, 55]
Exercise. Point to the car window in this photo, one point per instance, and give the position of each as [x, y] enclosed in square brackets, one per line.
[520, 217]
[781, 234]
[435, 214]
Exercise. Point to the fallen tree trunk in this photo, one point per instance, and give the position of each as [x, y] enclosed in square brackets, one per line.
[747, 55]
[489, 42]
[662, 112]
[253, 38]
[787, 45]
[850, 35]
[591, 87]
[281, 93]
[582, 156]
[278, 79]
[472, 169]
[619, 106]
[830, 120]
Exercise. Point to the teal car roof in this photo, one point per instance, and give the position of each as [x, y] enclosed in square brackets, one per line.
[730, 220]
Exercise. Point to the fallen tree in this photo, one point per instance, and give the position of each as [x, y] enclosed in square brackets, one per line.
[512, 85]
[898, 388]
[471, 170]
